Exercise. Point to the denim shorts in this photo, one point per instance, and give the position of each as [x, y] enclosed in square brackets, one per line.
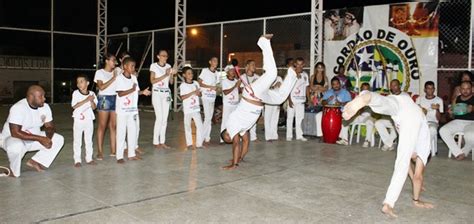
[106, 102]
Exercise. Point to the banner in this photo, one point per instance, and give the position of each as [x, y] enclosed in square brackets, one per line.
[376, 44]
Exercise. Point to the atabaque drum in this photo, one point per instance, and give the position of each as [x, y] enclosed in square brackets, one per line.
[331, 123]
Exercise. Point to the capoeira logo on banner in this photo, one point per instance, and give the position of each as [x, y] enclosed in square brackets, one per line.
[377, 56]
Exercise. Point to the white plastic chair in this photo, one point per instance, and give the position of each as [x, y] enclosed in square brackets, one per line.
[359, 126]
[460, 136]
[390, 129]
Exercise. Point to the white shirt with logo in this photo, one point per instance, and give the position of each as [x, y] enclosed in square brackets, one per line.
[105, 76]
[211, 79]
[249, 79]
[426, 103]
[190, 104]
[127, 104]
[233, 98]
[84, 112]
[31, 120]
[159, 72]
[298, 94]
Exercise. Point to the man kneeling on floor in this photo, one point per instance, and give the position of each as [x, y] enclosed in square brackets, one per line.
[22, 132]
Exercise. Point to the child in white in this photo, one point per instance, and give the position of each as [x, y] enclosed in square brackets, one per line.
[83, 102]
[161, 76]
[230, 89]
[190, 92]
[296, 103]
[127, 109]
[432, 107]
[250, 77]
[272, 114]
[208, 80]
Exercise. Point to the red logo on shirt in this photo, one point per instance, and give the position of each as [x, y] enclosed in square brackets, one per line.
[160, 83]
[297, 91]
[193, 102]
[127, 101]
[82, 117]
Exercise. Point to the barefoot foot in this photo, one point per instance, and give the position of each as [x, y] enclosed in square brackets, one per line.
[422, 204]
[92, 162]
[230, 167]
[77, 165]
[34, 165]
[120, 161]
[134, 158]
[387, 210]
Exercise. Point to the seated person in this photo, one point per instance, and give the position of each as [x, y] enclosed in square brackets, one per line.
[335, 96]
[463, 122]
[432, 106]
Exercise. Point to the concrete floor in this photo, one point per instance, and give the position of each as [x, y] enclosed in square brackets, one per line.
[283, 182]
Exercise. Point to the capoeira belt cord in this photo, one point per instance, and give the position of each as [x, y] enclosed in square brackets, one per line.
[4, 174]
[247, 85]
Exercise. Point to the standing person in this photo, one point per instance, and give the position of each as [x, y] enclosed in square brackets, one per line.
[414, 142]
[127, 109]
[230, 89]
[296, 103]
[250, 77]
[461, 123]
[272, 115]
[190, 94]
[105, 80]
[84, 102]
[318, 84]
[22, 132]
[208, 80]
[253, 97]
[432, 106]
[161, 76]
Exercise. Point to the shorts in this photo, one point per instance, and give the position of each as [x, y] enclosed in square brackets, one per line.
[106, 103]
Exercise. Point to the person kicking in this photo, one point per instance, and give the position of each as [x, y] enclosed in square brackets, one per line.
[253, 98]
[414, 142]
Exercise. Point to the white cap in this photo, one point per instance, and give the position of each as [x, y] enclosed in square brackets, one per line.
[228, 68]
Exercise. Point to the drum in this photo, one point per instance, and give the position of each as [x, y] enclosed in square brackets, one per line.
[460, 109]
[331, 123]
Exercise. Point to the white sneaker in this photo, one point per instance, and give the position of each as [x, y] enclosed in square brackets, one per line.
[366, 144]
[342, 142]
[387, 148]
[289, 139]
[303, 139]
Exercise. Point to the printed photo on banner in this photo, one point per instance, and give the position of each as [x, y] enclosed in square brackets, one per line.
[416, 19]
[341, 23]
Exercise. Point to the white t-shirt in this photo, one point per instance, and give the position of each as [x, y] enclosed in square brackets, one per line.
[84, 112]
[249, 79]
[190, 104]
[31, 120]
[298, 94]
[209, 78]
[231, 99]
[127, 104]
[426, 103]
[160, 71]
[105, 76]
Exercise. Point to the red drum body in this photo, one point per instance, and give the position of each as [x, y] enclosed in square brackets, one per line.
[331, 123]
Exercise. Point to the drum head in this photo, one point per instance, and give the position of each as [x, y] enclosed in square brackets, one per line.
[460, 109]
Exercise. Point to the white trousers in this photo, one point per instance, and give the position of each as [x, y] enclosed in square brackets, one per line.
[188, 131]
[433, 126]
[227, 110]
[81, 127]
[161, 105]
[208, 106]
[382, 125]
[319, 129]
[125, 145]
[126, 126]
[296, 112]
[17, 148]
[271, 118]
[447, 134]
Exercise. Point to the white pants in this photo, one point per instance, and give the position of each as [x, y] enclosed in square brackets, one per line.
[86, 127]
[297, 112]
[227, 110]
[382, 125]
[368, 120]
[433, 126]
[161, 105]
[16, 149]
[208, 107]
[319, 129]
[125, 145]
[126, 126]
[447, 134]
[188, 131]
[272, 115]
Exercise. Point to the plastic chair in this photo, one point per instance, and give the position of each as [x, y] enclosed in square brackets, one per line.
[460, 136]
[358, 126]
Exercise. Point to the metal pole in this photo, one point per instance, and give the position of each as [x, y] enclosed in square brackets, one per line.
[152, 46]
[469, 65]
[264, 26]
[222, 46]
[320, 30]
[128, 42]
[52, 51]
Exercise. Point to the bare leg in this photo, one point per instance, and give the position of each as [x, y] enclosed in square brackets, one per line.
[102, 125]
[418, 185]
[113, 132]
[245, 145]
[236, 152]
[411, 174]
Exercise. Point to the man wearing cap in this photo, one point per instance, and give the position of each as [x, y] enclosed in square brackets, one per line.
[351, 25]
[230, 91]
